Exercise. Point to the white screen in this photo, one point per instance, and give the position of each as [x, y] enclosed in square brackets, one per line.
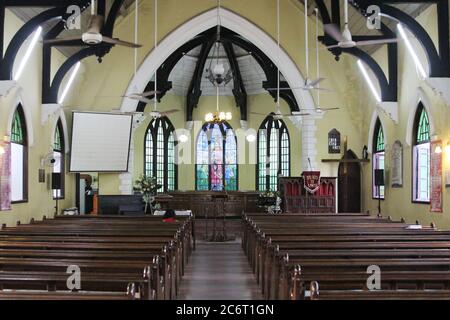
[100, 142]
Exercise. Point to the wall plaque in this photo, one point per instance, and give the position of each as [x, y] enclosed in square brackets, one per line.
[436, 177]
[397, 165]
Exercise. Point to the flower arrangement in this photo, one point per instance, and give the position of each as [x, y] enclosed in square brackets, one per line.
[148, 186]
[268, 198]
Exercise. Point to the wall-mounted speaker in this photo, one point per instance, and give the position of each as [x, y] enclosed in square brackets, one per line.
[379, 177]
[56, 181]
[41, 175]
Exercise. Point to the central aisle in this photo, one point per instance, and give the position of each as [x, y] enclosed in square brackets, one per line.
[219, 271]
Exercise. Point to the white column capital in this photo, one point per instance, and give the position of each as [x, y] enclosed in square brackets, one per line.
[48, 110]
[6, 86]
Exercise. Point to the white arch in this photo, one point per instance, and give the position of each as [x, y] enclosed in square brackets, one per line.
[60, 116]
[421, 97]
[16, 101]
[373, 122]
[204, 22]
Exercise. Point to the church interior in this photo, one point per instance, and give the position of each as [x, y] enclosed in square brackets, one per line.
[224, 149]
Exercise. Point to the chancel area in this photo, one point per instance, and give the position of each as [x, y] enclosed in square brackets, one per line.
[224, 150]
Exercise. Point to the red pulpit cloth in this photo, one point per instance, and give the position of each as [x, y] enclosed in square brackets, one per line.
[311, 180]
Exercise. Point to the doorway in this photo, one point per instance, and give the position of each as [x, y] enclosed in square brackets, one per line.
[349, 184]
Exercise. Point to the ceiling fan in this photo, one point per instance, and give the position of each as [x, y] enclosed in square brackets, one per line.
[278, 115]
[93, 35]
[319, 109]
[152, 114]
[155, 114]
[310, 84]
[344, 38]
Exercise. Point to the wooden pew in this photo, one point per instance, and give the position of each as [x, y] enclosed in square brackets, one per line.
[287, 254]
[108, 252]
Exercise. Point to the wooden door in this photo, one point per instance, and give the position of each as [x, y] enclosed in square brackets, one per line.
[349, 184]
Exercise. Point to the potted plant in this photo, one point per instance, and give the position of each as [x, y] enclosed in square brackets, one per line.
[148, 186]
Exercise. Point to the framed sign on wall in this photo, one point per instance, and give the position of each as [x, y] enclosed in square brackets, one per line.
[436, 204]
[397, 165]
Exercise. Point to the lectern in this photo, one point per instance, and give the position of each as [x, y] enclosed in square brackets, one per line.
[219, 235]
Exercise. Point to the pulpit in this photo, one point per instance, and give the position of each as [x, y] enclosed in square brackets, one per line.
[296, 199]
[219, 234]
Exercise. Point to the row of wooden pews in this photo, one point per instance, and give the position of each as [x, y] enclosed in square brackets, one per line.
[119, 257]
[327, 256]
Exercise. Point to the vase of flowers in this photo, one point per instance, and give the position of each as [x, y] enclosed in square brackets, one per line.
[148, 186]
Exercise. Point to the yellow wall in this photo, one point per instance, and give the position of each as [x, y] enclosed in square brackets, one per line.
[398, 200]
[40, 200]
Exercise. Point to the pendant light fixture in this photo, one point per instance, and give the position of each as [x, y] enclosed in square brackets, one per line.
[217, 78]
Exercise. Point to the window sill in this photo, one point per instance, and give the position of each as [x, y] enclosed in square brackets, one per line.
[420, 202]
[19, 201]
[59, 198]
[374, 198]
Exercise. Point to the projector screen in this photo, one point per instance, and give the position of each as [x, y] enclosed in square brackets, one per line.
[100, 142]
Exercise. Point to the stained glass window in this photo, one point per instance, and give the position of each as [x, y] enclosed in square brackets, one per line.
[421, 156]
[19, 155]
[159, 157]
[216, 158]
[58, 154]
[273, 153]
[378, 158]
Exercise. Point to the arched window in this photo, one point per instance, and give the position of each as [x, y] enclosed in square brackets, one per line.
[378, 157]
[421, 156]
[59, 154]
[159, 157]
[273, 154]
[19, 157]
[216, 158]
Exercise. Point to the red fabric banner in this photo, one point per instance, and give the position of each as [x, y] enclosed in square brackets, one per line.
[311, 180]
[436, 177]
[5, 176]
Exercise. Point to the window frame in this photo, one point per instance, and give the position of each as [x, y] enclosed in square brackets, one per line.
[376, 153]
[414, 161]
[23, 123]
[223, 130]
[268, 124]
[168, 129]
[62, 151]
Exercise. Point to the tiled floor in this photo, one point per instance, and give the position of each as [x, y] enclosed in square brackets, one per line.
[219, 271]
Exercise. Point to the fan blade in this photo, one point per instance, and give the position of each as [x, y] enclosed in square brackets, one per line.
[95, 24]
[259, 114]
[327, 109]
[298, 115]
[283, 89]
[316, 82]
[375, 42]
[140, 99]
[323, 89]
[146, 94]
[333, 47]
[333, 31]
[119, 42]
[170, 111]
[62, 41]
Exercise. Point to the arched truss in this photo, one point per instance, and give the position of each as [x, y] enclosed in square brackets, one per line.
[193, 29]
[50, 87]
[206, 40]
[439, 64]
